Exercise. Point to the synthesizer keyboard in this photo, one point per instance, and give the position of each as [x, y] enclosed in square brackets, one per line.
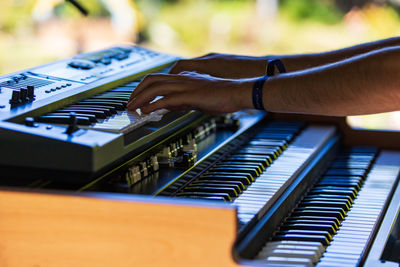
[36, 126]
[301, 192]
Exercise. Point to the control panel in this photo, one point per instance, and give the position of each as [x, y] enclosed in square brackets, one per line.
[23, 88]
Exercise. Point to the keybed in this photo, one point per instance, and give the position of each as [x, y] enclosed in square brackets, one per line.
[333, 223]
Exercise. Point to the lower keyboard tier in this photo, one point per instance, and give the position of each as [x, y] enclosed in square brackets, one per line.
[302, 198]
[335, 221]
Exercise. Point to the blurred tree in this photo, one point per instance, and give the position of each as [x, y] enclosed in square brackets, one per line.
[347, 5]
[13, 14]
[324, 11]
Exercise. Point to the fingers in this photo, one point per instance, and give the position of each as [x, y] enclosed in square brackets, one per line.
[156, 89]
[161, 85]
[170, 102]
[150, 79]
[184, 65]
[188, 90]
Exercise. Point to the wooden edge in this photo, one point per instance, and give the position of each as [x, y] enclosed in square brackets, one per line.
[41, 229]
[351, 136]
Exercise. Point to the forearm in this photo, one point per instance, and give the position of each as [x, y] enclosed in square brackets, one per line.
[360, 85]
[304, 61]
[363, 84]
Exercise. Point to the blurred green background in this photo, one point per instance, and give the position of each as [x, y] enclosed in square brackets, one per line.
[33, 32]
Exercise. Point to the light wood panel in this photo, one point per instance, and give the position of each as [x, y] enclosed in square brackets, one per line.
[38, 229]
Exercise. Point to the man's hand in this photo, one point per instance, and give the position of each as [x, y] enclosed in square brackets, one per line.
[223, 66]
[191, 90]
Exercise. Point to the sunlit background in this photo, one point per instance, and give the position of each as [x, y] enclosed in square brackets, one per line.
[33, 32]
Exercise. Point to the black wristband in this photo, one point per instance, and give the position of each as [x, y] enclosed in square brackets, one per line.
[257, 92]
[275, 63]
[259, 83]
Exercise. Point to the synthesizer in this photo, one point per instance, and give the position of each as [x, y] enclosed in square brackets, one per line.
[114, 187]
[36, 126]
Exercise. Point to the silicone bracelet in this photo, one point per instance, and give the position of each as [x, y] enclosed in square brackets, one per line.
[259, 83]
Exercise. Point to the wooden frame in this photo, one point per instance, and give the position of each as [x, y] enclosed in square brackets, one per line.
[41, 229]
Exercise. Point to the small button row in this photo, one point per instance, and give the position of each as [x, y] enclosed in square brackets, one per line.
[57, 88]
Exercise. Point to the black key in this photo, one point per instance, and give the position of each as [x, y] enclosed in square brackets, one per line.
[340, 184]
[236, 187]
[124, 89]
[239, 184]
[332, 192]
[92, 118]
[332, 224]
[258, 167]
[266, 143]
[321, 209]
[346, 201]
[244, 180]
[331, 220]
[110, 97]
[133, 83]
[261, 150]
[117, 106]
[217, 172]
[341, 205]
[98, 113]
[267, 159]
[275, 136]
[316, 213]
[124, 94]
[227, 190]
[268, 155]
[282, 140]
[62, 119]
[306, 238]
[346, 172]
[116, 93]
[205, 194]
[349, 181]
[304, 226]
[306, 232]
[250, 156]
[238, 170]
[276, 150]
[357, 179]
[358, 158]
[213, 198]
[350, 165]
[361, 150]
[108, 109]
[114, 101]
[262, 162]
[339, 188]
[332, 196]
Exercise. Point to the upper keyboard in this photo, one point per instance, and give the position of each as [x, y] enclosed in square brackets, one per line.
[37, 127]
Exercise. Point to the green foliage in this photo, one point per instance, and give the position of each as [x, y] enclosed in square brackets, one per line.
[94, 7]
[13, 14]
[323, 11]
